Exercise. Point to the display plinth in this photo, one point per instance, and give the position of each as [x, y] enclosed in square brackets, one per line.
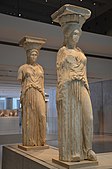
[74, 165]
[15, 158]
[27, 148]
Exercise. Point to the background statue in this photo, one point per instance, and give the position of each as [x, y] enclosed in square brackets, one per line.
[31, 76]
[75, 118]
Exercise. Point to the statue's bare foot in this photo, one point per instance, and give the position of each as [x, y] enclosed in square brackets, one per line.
[75, 158]
[91, 155]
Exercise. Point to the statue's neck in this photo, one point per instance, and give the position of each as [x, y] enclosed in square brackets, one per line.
[71, 45]
[32, 64]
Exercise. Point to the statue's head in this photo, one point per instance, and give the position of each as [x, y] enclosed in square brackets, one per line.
[71, 18]
[32, 47]
[32, 55]
[72, 33]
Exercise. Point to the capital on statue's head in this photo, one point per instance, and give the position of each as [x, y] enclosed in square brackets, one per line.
[71, 14]
[29, 43]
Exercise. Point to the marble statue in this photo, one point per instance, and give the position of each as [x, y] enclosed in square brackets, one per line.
[31, 76]
[75, 118]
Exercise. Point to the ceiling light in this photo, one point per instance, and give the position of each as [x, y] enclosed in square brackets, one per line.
[94, 3]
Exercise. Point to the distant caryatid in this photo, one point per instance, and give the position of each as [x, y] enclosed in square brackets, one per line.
[31, 76]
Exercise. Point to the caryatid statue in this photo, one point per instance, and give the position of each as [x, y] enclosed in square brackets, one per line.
[31, 76]
[75, 116]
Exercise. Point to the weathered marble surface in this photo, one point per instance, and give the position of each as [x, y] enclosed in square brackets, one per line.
[31, 76]
[75, 118]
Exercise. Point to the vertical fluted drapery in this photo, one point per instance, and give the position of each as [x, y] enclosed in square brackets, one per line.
[69, 123]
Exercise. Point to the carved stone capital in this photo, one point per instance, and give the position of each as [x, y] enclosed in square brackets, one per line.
[71, 13]
[29, 43]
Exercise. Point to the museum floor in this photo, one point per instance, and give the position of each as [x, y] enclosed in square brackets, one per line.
[101, 144]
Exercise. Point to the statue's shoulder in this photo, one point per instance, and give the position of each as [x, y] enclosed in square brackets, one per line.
[61, 51]
[22, 67]
[61, 56]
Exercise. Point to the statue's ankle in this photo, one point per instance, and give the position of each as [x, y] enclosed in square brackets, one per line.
[91, 155]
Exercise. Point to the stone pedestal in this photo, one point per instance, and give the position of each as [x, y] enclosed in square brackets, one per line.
[75, 165]
[15, 158]
[27, 148]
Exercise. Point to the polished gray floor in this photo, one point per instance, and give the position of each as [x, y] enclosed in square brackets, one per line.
[101, 144]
